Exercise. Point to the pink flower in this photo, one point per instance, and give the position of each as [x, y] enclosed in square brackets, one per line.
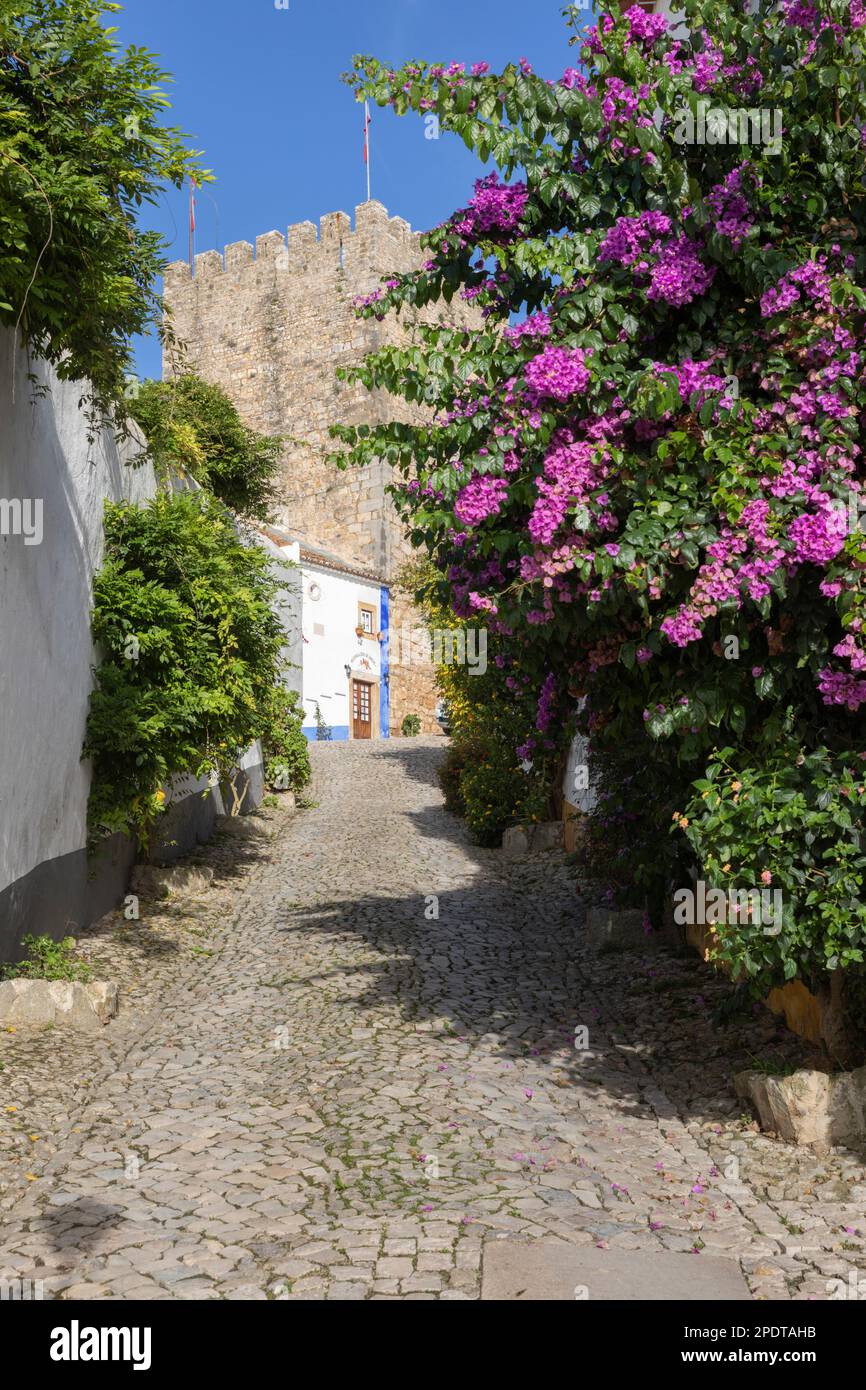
[556, 373]
[481, 497]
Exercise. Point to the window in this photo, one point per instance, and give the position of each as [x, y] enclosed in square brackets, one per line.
[366, 618]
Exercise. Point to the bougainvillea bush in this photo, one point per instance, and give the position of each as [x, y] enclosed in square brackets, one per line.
[643, 471]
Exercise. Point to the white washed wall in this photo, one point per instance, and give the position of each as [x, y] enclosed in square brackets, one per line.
[46, 653]
[329, 651]
[47, 883]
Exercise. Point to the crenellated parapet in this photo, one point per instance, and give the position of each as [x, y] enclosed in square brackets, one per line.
[305, 250]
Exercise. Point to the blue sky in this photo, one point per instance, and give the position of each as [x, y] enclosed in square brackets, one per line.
[258, 90]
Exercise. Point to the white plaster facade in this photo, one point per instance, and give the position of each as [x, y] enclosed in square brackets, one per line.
[343, 639]
[332, 603]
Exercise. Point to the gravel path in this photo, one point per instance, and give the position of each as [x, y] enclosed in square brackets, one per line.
[352, 1061]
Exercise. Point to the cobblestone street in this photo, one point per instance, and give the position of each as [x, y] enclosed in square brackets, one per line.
[319, 1088]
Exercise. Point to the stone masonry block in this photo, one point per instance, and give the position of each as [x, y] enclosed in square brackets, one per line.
[269, 246]
[208, 263]
[238, 253]
[334, 226]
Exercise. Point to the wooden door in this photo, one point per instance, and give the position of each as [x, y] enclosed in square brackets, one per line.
[362, 720]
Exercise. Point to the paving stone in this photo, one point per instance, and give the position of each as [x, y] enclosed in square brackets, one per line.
[295, 1037]
[552, 1270]
[392, 1267]
[434, 1262]
[400, 1247]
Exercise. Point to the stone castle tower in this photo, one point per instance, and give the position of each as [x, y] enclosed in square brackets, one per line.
[271, 328]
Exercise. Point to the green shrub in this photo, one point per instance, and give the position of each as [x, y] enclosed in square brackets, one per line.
[194, 426]
[795, 824]
[484, 784]
[287, 754]
[489, 717]
[492, 789]
[411, 726]
[192, 654]
[450, 773]
[47, 960]
[324, 732]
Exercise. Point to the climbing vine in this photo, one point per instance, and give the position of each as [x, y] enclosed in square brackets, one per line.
[194, 426]
[82, 147]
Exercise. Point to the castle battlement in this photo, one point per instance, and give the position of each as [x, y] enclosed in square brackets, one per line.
[375, 238]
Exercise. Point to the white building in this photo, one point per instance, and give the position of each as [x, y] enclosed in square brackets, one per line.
[344, 629]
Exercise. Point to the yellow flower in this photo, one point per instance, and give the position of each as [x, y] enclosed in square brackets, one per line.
[735, 786]
[160, 796]
[726, 868]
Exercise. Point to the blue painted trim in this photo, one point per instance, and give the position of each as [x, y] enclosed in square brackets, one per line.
[339, 733]
[384, 665]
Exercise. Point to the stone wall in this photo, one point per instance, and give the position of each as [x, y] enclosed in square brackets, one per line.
[271, 327]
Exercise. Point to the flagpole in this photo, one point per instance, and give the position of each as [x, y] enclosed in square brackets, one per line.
[367, 143]
[191, 221]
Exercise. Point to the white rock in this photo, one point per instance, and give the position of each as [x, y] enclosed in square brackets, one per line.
[163, 880]
[810, 1107]
[86, 1006]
